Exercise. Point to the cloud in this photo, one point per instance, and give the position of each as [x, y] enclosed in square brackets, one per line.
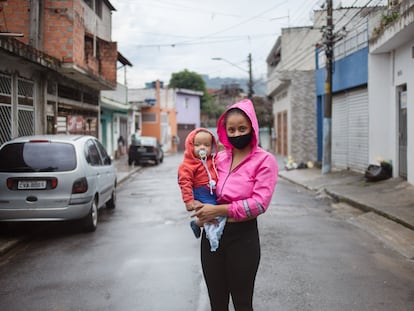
[160, 37]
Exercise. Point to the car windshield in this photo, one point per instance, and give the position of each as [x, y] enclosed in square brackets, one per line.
[37, 157]
[144, 141]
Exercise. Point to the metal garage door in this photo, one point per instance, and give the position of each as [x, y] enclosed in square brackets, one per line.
[339, 132]
[350, 130]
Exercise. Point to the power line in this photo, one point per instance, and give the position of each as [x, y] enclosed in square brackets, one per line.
[236, 25]
[193, 42]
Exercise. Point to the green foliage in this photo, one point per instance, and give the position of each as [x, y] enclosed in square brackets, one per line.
[189, 80]
[264, 113]
[212, 110]
[386, 19]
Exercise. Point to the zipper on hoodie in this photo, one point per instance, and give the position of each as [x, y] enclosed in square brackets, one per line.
[231, 171]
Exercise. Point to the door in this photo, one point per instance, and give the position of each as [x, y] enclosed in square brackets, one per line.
[182, 131]
[402, 137]
[350, 130]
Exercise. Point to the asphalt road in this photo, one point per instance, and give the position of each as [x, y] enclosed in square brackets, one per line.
[144, 256]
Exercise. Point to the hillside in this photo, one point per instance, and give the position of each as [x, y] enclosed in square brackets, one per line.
[216, 83]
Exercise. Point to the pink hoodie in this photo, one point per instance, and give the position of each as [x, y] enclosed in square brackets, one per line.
[249, 188]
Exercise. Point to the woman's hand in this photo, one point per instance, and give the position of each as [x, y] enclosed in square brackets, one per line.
[208, 212]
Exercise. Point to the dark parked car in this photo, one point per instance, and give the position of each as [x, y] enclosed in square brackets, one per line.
[54, 178]
[145, 149]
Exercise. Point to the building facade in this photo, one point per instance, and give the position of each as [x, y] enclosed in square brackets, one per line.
[188, 106]
[391, 88]
[350, 116]
[168, 114]
[52, 73]
[291, 88]
[154, 113]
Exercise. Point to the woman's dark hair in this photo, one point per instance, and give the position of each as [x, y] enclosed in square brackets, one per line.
[234, 111]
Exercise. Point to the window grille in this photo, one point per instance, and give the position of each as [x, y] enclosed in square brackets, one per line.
[5, 85]
[5, 108]
[25, 92]
[5, 123]
[26, 122]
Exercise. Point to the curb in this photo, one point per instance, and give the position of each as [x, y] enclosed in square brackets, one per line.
[340, 198]
[367, 208]
[8, 245]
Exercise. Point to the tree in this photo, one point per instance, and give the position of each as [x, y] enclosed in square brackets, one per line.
[264, 113]
[189, 80]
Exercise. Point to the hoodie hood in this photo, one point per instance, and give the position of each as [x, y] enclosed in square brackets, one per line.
[247, 107]
[189, 144]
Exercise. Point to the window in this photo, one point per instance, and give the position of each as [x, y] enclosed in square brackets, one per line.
[96, 6]
[104, 154]
[149, 118]
[92, 154]
[37, 157]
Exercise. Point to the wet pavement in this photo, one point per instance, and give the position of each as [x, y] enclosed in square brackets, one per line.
[387, 204]
[392, 198]
[123, 172]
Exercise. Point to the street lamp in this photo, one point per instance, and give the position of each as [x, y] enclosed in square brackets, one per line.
[250, 84]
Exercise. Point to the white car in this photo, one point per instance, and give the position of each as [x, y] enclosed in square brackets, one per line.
[55, 178]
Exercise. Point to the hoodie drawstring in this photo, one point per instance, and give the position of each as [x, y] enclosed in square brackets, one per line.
[211, 181]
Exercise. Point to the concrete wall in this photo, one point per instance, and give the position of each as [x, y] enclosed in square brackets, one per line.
[303, 140]
[387, 71]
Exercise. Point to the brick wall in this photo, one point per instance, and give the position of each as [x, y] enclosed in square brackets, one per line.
[58, 29]
[108, 57]
[63, 32]
[16, 18]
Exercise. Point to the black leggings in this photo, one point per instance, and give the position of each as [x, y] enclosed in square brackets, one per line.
[231, 270]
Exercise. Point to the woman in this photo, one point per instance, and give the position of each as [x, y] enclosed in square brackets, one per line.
[247, 177]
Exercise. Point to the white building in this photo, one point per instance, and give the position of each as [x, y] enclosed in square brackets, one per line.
[391, 88]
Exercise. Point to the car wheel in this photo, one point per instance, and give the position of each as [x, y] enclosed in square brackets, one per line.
[157, 161]
[130, 161]
[111, 204]
[161, 159]
[90, 222]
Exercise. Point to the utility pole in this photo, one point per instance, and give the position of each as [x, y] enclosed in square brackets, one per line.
[327, 120]
[250, 92]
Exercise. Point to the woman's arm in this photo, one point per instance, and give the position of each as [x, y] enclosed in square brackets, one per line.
[208, 212]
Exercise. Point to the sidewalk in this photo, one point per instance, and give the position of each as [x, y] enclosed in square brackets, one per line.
[392, 198]
[123, 172]
[123, 169]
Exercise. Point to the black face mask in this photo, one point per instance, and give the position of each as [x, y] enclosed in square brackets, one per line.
[240, 142]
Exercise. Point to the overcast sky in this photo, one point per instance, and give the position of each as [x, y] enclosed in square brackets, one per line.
[160, 37]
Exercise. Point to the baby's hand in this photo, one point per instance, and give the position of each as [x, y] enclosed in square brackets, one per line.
[197, 205]
[193, 206]
[189, 206]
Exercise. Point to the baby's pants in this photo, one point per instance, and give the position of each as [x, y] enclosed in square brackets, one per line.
[231, 270]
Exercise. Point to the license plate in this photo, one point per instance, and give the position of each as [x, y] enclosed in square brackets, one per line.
[141, 149]
[31, 184]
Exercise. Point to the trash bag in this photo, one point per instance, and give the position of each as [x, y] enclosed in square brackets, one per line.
[378, 172]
